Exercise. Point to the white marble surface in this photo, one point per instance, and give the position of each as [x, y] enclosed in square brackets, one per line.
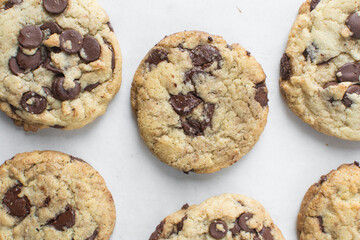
[289, 157]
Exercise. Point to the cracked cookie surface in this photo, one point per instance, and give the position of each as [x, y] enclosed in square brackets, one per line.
[320, 68]
[330, 209]
[228, 216]
[60, 64]
[50, 195]
[200, 103]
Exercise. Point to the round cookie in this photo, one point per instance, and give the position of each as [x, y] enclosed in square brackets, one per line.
[200, 103]
[51, 195]
[320, 68]
[330, 209]
[60, 62]
[228, 216]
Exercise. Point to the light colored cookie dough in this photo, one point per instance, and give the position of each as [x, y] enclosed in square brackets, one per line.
[50, 195]
[60, 62]
[200, 103]
[228, 216]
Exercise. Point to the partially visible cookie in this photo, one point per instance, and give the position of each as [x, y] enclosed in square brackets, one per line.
[320, 68]
[60, 62]
[330, 209]
[228, 216]
[50, 195]
[200, 103]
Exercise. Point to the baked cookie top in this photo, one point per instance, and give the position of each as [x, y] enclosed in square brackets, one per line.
[200, 103]
[330, 209]
[320, 68]
[50, 195]
[228, 216]
[60, 62]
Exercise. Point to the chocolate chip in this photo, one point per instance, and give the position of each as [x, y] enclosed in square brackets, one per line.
[189, 76]
[218, 229]
[110, 26]
[64, 220]
[11, 3]
[48, 66]
[313, 4]
[91, 87]
[113, 54]
[185, 206]
[356, 163]
[156, 56]
[210, 39]
[30, 37]
[47, 202]
[192, 127]
[33, 102]
[242, 222]
[205, 55]
[71, 41]
[329, 84]
[285, 67]
[93, 236]
[90, 50]
[180, 224]
[351, 90]
[311, 52]
[61, 93]
[55, 49]
[14, 66]
[16, 206]
[27, 62]
[323, 179]
[266, 233]
[353, 22]
[184, 104]
[248, 53]
[52, 27]
[321, 223]
[58, 126]
[208, 114]
[156, 234]
[350, 72]
[55, 6]
[261, 95]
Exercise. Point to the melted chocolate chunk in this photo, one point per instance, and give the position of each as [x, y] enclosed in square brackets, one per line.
[27, 62]
[14, 67]
[192, 127]
[356, 163]
[285, 67]
[180, 224]
[310, 52]
[156, 234]
[64, 220]
[52, 27]
[48, 66]
[321, 223]
[91, 87]
[205, 55]
[190, 75]
[33, 102]
[186, 206]
[242, 222]
[55, 6]
[313, 4]
[11, 3]
[110, 26]
[65, 94]
[329, 84]
[71, 41]
[266, 233]
[353, 22]
[91, 49]
[350, 72]
[218, 229]
[17, 206]
[261, 95]
[156, 56]
[353, 89]
[184, 104]
[93, 236]
[30, 37]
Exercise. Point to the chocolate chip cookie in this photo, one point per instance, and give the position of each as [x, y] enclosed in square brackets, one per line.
[320, 68]
[60, 62]
[200, 103]
[228, 216]
[50, 195]
[330, 209]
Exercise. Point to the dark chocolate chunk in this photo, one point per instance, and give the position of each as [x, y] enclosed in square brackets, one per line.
[52, 27]
[55, 6]
[192, 127]
[110, 26]
[14, 66]
[156, 56]
[55, 50]
[208, 114]
[93, 236]
[113, 54]
[190, 75]
[33, 102]
[180, 225]
[285, 67]
[356, 163]
[266, 233]
[218, 229]
[330, 84]
[71, 41]
[261, 95]
[321, 223]
[58, 127]
[185, 206]
[353, 22]
[210, 39]
[64, 220]
[91, 87]
[323, 179]
[350, 72]
[184, 104]
[91, 49]
[30, 37]
[65, 94]
[11, 3]
[311, 52]
[205, 55]
[47, 202]
[17, 206]
[157, 233]
[351, 90]
[313, 4]
[27, 62]
[242, 222]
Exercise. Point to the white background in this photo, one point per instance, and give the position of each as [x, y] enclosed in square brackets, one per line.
[289, 157]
